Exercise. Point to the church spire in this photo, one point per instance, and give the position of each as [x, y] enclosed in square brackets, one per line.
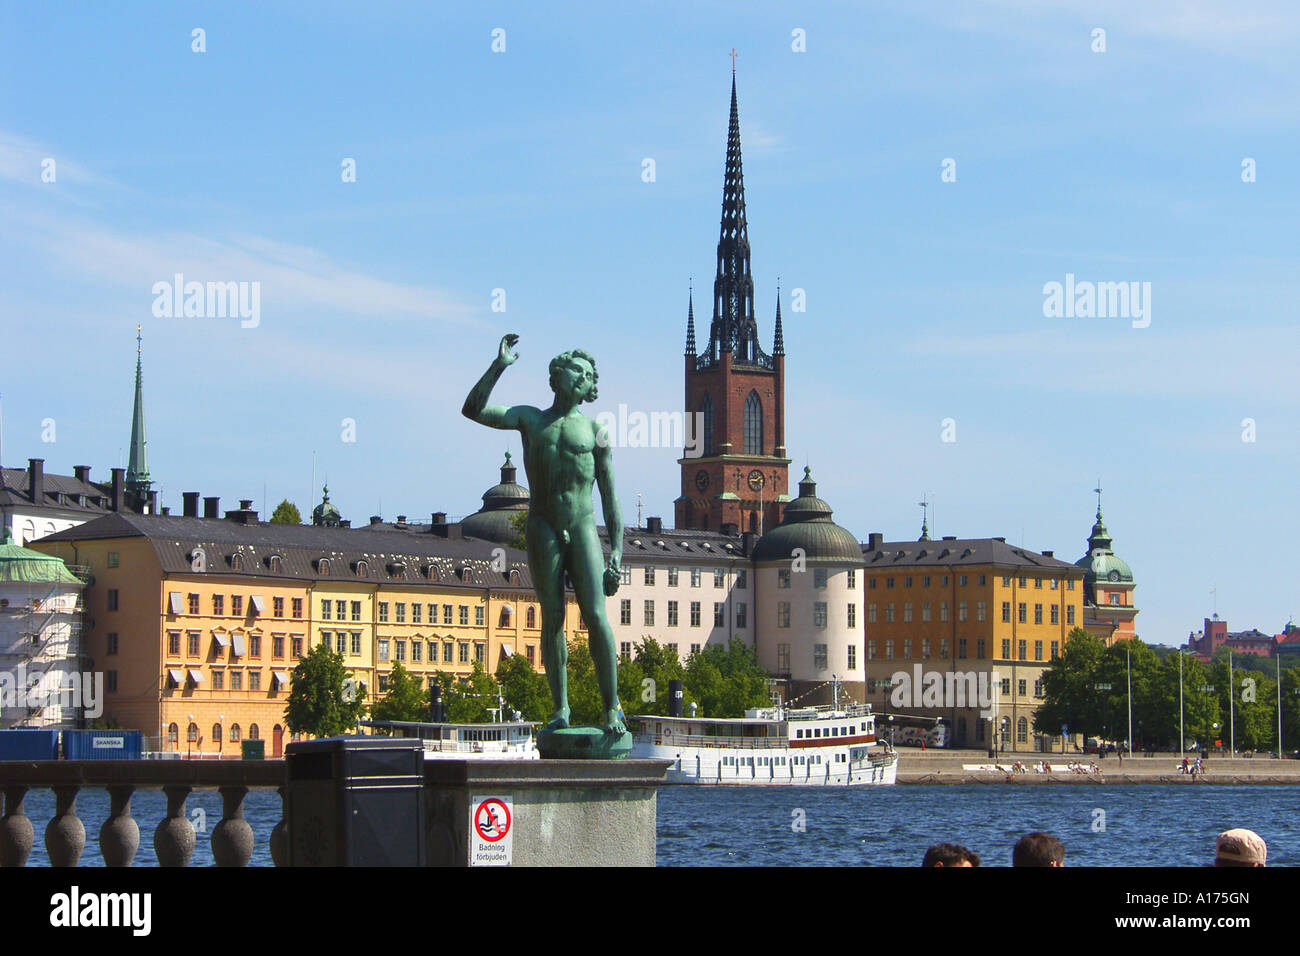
[690, 321]
[733, 328]
[137, 471]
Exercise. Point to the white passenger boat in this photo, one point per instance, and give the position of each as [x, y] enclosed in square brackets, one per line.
[808, 746]
[510, 740]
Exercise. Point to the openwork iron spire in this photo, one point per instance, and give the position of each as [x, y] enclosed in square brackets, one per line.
[734, 329]
[137, 471]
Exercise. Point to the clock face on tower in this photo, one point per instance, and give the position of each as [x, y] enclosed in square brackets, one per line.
[701, 479]
[756, 480]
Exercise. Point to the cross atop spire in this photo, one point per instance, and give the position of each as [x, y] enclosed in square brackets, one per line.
[778, 340]
[1098, 491]
[925, 522]
[733, 54]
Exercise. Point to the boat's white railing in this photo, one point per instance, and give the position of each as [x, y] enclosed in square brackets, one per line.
[734, 743]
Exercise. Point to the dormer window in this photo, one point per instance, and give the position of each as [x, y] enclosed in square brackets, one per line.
[236, 562]
[514, 575]
[431, 572]
[361, 568]
[323, 567]
[275, 563]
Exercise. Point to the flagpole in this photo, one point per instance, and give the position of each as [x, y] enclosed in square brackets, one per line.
[1278, 661]
[1182, 744]
[1232, 723]
[1129, 649]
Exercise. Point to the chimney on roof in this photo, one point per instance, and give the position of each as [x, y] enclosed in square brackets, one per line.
[874, 540]
[164, 510]
[654, 524]
[345, 523]
[81, 473]
[244, 514]
[191, 507]
[376, 519]
[116, 496]
[439, 517]
[212, 506]
[747, 542]
[401, 521]
[36, 480]
[949, 537]
[153, 502]
[730, 529]
[1047, 554]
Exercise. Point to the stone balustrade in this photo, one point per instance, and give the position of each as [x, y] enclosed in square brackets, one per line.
[119, 836]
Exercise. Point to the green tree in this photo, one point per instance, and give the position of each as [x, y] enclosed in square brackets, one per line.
[659, 665]
[524, 688]
[584, 690]
[518, 528]
[318, 702]
[468, 700]
[727, 682]
[286, 513]
[1069, 697]
[405, 700]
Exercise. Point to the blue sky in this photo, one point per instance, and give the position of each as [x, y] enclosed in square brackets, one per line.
[522, 171]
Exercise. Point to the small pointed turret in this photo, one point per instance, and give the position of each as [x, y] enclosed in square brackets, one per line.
[778, 340]
[137, 471]
[690, 322]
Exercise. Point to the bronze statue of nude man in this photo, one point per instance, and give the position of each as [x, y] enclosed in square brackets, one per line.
[564, 452]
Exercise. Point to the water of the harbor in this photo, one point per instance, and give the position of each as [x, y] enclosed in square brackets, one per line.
[860, 826]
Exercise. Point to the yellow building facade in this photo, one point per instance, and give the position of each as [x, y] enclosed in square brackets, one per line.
[985, 618]
[199, 622]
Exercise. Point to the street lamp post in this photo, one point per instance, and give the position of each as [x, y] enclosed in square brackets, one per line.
[1104, 725]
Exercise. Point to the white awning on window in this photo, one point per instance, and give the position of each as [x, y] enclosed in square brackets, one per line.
[259, 605]
[221, 639]
[239, 645]
[507, 650]
[196, 675]
[177, 676]
[174, 603]
[280, 677]
[507, 610]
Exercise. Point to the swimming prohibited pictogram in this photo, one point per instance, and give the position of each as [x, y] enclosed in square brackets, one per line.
[491, 838]
[492, 820]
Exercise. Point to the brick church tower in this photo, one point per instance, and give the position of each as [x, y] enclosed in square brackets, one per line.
[738, 475]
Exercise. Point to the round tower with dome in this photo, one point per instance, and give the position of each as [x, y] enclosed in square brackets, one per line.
[1109, 610]
[811, 631]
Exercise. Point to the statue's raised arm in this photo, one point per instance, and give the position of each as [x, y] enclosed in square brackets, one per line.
[476, 407]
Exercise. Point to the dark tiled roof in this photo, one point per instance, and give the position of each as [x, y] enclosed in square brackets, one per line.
[704, 546]
[62, 492]
[961, 551]
[301, 547]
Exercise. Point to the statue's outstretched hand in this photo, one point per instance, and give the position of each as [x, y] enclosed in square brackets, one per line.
[505, 355]
[613, 577]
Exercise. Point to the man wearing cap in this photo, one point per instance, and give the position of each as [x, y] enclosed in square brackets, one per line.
[1240, 848]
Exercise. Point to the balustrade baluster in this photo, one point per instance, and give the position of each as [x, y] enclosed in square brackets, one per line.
[16, 833]
[65, 835]
[173, 841]
[119, 837]
[232, 839]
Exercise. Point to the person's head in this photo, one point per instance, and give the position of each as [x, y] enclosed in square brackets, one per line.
[1038, 849]
[574, 373]
[1240, 848]
[950, 854]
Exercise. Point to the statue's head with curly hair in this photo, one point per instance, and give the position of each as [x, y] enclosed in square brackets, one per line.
[574, 372]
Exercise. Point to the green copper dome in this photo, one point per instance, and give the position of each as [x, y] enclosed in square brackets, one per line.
[24, 566]
[495, 521]
[325, 514]
[807, 525]
[1100, 563]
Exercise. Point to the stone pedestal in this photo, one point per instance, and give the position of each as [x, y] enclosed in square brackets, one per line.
[583, 743]
[560, 812]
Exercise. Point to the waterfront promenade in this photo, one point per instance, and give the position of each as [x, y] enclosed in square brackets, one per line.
[975, 767]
